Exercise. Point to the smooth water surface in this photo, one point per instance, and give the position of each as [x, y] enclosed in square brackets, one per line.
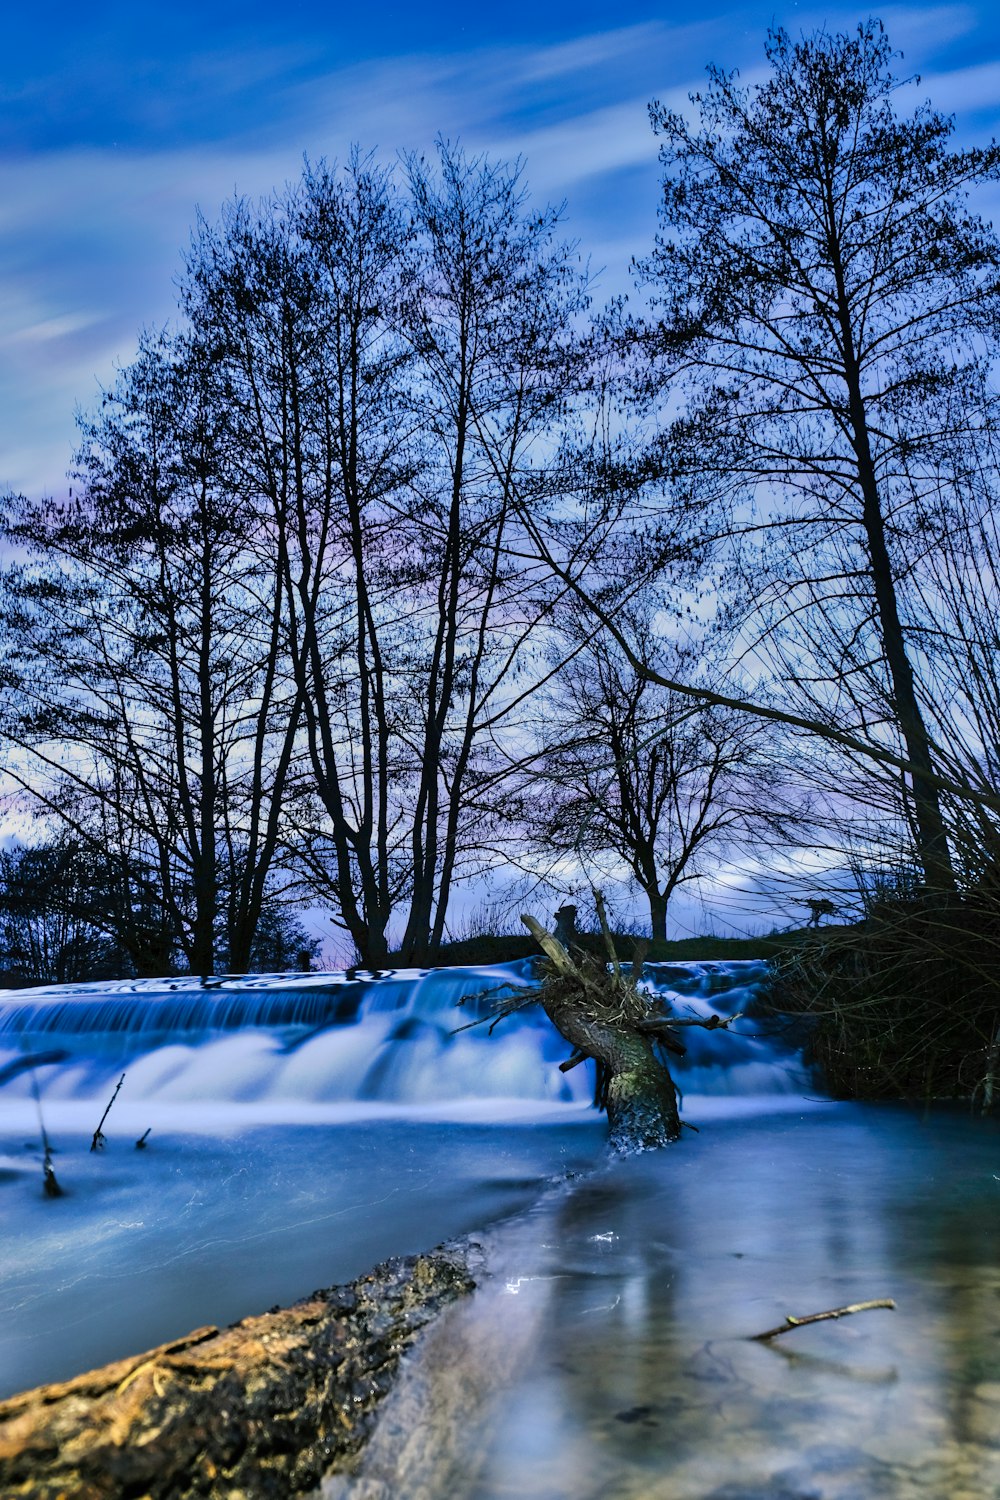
[606, 1357]
[207, 1227]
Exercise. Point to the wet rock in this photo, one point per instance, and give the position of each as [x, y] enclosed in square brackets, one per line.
[261, 1409]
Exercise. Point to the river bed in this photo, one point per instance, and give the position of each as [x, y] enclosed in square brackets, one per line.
[606, 1354]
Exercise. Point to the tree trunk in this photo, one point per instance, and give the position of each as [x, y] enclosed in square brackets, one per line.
[932, 838]
[261, 1409]
[640, 1096]
[657, 915]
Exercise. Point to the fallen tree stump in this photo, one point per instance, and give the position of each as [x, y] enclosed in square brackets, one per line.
[259, 1410]
[607, 1018]
[600, 1012]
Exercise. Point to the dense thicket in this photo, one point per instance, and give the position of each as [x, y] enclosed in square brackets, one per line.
[904, 1004]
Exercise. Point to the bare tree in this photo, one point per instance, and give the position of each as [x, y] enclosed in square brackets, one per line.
[152, 717]
[828, 304]
[302, 296]
[664, 785]
[953, 620]
[492, 322]
[389, 362]
[823, 291]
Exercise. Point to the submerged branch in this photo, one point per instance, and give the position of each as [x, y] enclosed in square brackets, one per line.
[821, 1317]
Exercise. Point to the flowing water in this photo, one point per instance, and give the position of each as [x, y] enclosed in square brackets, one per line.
[607, 1353]
[286, 1045]
[302, 1128]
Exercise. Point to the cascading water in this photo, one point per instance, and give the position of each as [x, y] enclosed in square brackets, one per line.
[288, 1042]
[302, 1127]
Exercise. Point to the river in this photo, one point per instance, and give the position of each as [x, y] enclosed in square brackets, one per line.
[606, 1354]
[302, 1129]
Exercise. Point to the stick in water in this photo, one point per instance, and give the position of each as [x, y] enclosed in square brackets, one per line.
[50, 1182]
[821, 1317]
[98, 1142]
[140, 1144]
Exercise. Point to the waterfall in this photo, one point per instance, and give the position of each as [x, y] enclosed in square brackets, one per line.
[382, 1039]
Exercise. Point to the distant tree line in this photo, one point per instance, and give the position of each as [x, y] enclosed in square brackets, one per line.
[395, 565]
[68, 916]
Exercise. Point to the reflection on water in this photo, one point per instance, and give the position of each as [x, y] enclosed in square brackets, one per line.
[607, 1354]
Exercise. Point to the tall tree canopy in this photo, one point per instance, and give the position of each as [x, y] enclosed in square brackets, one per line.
[283, 619]
[827, 305]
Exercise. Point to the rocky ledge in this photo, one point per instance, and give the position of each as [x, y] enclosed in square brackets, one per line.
[261, 1409]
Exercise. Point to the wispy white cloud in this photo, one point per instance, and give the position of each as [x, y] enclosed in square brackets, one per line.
[91, 240]
[599, 51]
[588, 145]
[89, 249]
[962, 90]
[926, 29]
[45, 330]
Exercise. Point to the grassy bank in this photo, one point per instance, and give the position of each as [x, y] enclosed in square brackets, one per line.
[506, 947]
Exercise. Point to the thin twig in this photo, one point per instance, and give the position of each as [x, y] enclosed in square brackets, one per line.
[821, 1317]
[609, 941]
[708, 1023]
[50, 1182]
[522, 997]
[97, 1144]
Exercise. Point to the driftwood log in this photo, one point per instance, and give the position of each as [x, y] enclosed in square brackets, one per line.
[259, 1410]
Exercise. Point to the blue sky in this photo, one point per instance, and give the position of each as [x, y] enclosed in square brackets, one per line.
[117, 120]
